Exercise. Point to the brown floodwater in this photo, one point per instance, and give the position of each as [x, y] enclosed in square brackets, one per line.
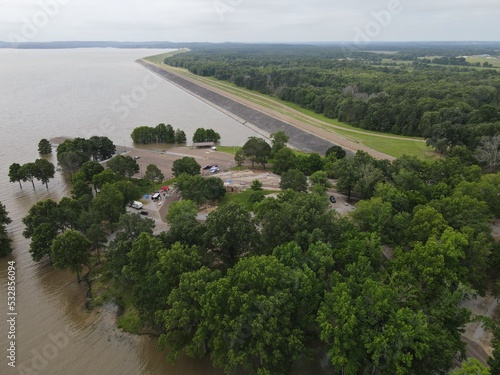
[79, 93]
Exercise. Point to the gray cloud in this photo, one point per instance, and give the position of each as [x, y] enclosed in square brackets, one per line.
[249, 20]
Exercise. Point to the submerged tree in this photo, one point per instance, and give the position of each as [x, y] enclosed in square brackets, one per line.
[15, 174]
[44, 171]
[71, 249]
[44, 147]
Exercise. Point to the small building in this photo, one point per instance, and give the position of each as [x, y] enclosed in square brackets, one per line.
[203, 144]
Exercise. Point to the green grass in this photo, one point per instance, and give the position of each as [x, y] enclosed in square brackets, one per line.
[241, 198]
[130, 321]
[228, 149]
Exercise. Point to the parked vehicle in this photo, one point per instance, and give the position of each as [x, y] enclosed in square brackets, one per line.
[137, 205]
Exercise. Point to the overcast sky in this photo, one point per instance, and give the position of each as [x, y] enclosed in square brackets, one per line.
[249, 20]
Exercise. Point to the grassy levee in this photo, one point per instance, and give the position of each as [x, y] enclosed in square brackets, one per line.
[158, 59]
[393, 145]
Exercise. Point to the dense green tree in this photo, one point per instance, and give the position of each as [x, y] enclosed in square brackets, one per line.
[231, 233]
[80, 189]
[191, 187]
[182, 320]
[279, 140]
[155, 271]
[44, 171]
[283, 160]
[90, 169]
[15, 174]
[46, 211]
[425, 223]
[44, 147]
[200, 135]
[159, 134]
[320, 178]
[373, 215]
[172, 263]
[184, 210]
[129, 190]
[213, 188]
[432, 265]
[125, 166]
[187, 165]
[256, 196]
[97, 235]
[462, 210]
[309, 164]
[102, 148]
[366, 330]
[257, 150]
[129, 227]
[5, 241]
[184, 227]
[487, 190]
[471, 366]
[256, 185]
[29, 172]
[41, 240]
[69, 213]
[389, 193]
[144, 135]
[212, 136]
[336, 151]
[180, 136]
[299, 217]
[71, 155]
[107, 176]
[107, 206]
[165, 133]
[141, 270]
[153, 174]
[205, 135]
[347, 174]
[239, 157]
[357, 174]
[250, 317]
[494, 360]
[71, 249]
[369, 176]
[294, 180]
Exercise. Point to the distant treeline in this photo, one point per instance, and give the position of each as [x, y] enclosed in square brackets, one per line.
[453, 60]
[409, 99]
[159, 134]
